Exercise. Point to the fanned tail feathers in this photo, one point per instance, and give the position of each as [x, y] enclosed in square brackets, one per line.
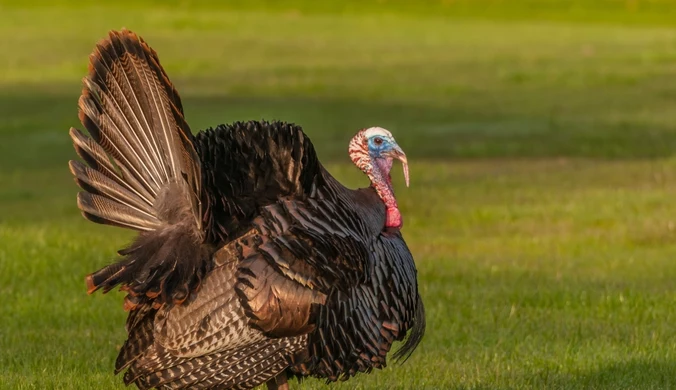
[140, 171]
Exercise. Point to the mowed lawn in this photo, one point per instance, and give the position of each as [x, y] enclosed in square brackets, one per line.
[542, 206]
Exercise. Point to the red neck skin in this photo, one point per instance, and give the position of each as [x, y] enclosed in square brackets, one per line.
[382, 183]
[378, 171]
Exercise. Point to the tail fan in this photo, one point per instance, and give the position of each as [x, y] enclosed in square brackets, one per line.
[140, 171]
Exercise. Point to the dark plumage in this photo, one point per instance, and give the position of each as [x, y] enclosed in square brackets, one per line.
[252, 262]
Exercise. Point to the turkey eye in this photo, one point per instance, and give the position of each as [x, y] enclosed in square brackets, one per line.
[378, 140]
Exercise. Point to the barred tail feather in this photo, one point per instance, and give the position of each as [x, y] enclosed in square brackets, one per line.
[140, 171]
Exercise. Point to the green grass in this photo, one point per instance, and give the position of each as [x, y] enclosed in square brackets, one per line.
[542, 211]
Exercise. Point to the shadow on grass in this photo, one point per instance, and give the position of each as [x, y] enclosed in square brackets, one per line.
[633, 374]
[34, 128]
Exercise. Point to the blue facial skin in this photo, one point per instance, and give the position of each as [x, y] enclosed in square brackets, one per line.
[376, 148]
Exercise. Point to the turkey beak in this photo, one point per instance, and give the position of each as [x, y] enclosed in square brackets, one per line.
[399, 154]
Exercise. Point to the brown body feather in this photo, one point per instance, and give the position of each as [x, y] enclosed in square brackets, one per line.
[252, 261]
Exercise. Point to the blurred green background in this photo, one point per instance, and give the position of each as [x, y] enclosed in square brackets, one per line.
[540, 136]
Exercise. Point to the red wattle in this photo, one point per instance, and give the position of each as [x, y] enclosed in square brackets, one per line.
[393, 219]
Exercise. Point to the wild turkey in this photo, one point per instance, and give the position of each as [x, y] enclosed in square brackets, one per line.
[252, 262]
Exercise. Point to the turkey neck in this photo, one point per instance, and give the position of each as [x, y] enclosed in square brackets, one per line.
[382, 182]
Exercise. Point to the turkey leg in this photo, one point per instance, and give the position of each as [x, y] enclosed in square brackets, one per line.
[278, 383]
